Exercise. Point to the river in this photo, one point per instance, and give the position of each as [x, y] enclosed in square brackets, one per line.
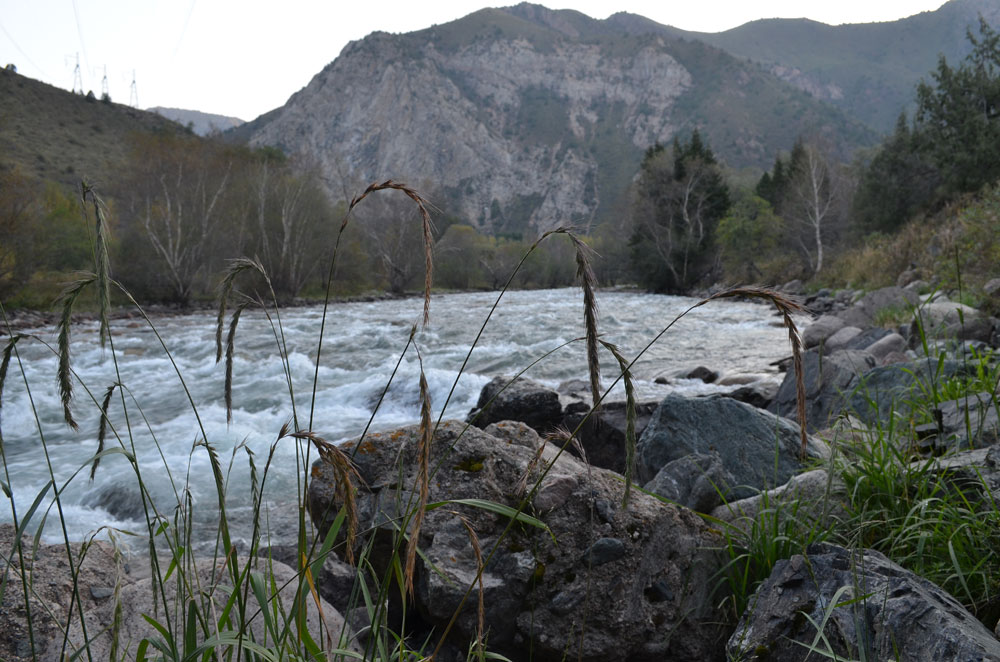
[363, 344]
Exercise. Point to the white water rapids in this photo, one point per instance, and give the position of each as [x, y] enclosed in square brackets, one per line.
[362, 346]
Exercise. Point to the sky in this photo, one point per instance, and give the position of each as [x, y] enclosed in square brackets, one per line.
[242, 58]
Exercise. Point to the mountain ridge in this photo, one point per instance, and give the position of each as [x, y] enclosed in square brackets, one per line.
[527, 118]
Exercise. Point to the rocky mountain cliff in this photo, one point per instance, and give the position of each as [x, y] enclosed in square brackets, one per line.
[523, 119]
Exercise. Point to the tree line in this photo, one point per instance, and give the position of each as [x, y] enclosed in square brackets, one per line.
[690, 226]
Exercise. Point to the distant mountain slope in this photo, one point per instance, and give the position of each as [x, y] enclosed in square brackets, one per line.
[56, 135]
[527, 118]
[869, 70]
[201, 123]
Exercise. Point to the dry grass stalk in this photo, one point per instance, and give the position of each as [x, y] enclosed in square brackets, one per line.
[102, 429]
[588, 281]
[630, 418]
[522, 483]
[102, 261]
[786, 307]
[8, 350]
[235, 268]
[425, 218]
[346, 474]
[68, 298]
[423, 479]
[230, 351]
[480, 569]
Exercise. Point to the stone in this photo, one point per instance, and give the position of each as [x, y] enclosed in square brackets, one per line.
[991, 287]
[694, 481]
[864, 311]
[941, 318]
[841, 338]
[820, 330]
[828, 380]
[702, 373]
[757, 448]
[758, 394]
[102, 573]
[818, 493]
[793, 287]
[865, 339]
[871, 607]
[606, 582]
[907, 277]
[519, 400]
[602, 435]
[888, 344]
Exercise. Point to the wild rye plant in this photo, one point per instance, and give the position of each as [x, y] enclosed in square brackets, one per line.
[238, 608]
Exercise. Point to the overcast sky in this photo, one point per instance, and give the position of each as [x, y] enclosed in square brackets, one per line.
[245, 57]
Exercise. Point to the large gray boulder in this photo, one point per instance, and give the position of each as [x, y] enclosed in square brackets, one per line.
[820, 330]
[107, 582]
[602, 434]
[518, 400]
[865, 311]
[828, 380]
[869, 608]
[758, 449]
[609, 583]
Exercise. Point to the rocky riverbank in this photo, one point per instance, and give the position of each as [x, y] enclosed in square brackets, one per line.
[647, 580]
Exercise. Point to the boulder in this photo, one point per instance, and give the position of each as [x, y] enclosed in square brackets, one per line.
[840, 339]
[886, 345]
[758, 449]
[815, 493]
[888, 389]
[521, 400]
[969, 422]
[867, 607]
[827, 380]
[606, 582]
[864, 340]
[107, 582]
[820, 330]
[695, 481]
[603, 434]
[863, 313]
[702, 373]
[758, 394]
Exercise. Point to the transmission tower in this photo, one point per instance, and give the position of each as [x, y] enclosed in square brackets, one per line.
[77, 77]
[133, 95]
[105, 93]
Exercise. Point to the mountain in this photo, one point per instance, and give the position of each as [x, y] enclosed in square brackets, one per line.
[868, 70]
[56, 135]
[523, 118]
[201, 123]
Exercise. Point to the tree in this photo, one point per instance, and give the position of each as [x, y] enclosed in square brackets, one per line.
[959, 115]
[679, 198]
[174, 189]
[393, 238]
[811, 200]
[898, 182]
[748, 234]
[19, 211]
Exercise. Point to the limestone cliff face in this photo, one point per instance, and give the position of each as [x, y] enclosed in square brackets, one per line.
[524, 119]
[496, 122]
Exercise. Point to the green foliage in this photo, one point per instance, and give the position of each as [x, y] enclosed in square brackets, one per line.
[680, 197]
[959, 116]
[747, 237]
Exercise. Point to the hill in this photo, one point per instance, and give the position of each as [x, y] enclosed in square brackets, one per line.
[52, 134]
[201, 123]
[526, 118]
[868, 70]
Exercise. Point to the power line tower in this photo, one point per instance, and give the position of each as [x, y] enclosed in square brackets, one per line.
[133, 95]
[105, 93]
[77, 77]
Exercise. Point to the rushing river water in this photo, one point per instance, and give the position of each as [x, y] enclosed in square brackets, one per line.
[362, 347]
